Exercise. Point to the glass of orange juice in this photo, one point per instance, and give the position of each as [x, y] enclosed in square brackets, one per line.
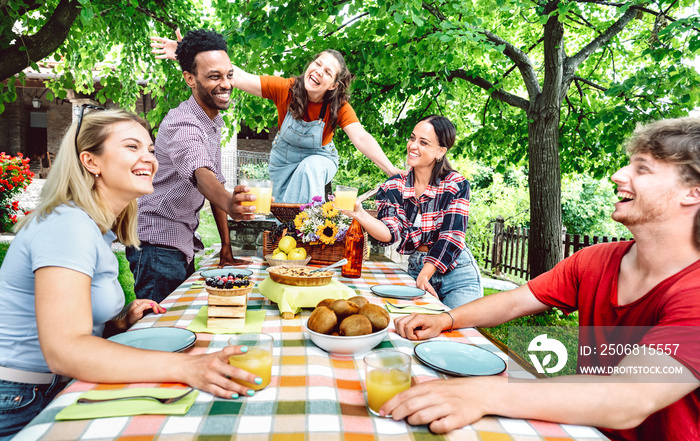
[387, 372]
[345, 197]
[262, 189]
[258, 359]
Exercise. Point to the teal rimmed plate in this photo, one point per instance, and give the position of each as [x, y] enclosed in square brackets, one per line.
[459, 359]
[157, 339]
[220, 272]
[397, 291]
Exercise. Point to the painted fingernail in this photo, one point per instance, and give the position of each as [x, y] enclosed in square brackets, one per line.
[251, 392]
[151, 305]
[258, 380]
[234, 395]
[244, 348]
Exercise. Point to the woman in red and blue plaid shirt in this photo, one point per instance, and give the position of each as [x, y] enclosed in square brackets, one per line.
[427, 211]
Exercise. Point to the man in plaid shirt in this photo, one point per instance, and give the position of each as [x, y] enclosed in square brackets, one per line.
[188, 149]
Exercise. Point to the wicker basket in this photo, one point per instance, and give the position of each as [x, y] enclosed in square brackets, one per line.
[284, 212]
[320, 254]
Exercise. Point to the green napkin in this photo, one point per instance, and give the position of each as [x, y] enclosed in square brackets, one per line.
[293, 298]
[422, 309]
[128, 407]
[253, 323]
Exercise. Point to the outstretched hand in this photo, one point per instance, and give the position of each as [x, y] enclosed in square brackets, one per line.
[421, 326]
[164, 47]
[440, 403]
[240, 212]
[138, 309]
[212, 373]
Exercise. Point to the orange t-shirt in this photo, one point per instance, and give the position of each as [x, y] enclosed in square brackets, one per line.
[277, 90]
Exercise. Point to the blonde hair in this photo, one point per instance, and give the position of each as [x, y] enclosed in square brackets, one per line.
[70, 183]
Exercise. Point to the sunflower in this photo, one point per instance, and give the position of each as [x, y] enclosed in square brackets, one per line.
[329, 209]
[326, 232]
[300, 219]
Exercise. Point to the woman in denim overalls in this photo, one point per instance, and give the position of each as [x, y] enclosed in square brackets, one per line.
[303, 157]
[426, 211]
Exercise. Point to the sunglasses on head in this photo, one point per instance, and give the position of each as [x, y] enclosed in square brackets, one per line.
[80, 118]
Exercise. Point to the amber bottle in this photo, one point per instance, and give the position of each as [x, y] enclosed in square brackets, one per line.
[354, 250]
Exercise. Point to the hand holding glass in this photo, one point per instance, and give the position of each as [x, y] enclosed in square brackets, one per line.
[345, 197]
[262, 189]
[258, 359]
[387, 372]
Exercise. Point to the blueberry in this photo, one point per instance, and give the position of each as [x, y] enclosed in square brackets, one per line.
[229, 284]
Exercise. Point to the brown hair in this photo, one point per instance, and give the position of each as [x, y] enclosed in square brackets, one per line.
[299, 99]
[675, 141]
[446, 134]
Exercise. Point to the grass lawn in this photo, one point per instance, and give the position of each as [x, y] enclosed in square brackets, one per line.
[517, 334]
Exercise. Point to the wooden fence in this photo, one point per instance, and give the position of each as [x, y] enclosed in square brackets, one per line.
[506, 252]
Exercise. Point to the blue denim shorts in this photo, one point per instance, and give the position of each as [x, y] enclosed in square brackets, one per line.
[456, 287]
[21, 402]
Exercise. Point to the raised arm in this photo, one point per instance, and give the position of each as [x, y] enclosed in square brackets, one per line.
[366, 143]
[164, 48]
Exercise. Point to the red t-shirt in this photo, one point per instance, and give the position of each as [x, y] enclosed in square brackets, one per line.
[587, 282]
[277, 90]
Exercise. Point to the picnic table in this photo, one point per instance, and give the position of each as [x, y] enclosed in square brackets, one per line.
[313, 395]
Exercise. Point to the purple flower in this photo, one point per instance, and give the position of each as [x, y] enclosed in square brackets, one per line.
[317, 199]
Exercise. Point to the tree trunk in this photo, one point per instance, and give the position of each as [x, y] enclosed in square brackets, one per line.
[43, 43]
[545, 248]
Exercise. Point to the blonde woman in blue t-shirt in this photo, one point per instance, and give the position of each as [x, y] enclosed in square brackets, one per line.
[58, 282]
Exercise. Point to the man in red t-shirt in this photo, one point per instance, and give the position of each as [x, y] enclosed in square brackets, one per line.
[644, 292]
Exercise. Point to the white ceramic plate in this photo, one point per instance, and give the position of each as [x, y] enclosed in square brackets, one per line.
[397, 291]
[220, 272]
[157, 339]
[459, 359]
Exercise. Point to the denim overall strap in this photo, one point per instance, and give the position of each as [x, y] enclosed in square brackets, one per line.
[300, 166]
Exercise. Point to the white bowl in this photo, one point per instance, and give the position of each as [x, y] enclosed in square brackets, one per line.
[278, 262]
[347, 345]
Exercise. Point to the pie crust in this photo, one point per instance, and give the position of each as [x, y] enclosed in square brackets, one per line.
[299, 276]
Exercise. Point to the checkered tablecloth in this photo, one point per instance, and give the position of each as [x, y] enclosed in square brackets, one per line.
[313, 396]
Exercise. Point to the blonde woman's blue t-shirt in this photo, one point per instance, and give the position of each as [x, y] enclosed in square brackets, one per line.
[67, 238]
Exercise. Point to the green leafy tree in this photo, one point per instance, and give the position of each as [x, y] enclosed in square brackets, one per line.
[555, 83]
[106, 39]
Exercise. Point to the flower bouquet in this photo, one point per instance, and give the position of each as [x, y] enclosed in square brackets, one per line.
[318, 226]
[319, 222]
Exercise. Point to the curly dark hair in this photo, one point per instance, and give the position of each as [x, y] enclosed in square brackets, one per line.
[194, 42]
[299, 99]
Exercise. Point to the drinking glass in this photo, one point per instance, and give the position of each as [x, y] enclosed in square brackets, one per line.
[387, 372]
[345, 197]
[258, 359]
[262, 189]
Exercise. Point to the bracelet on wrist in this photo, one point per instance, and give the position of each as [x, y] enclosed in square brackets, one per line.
[453, 320]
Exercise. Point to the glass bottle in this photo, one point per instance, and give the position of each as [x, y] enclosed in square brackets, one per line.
[354, 250]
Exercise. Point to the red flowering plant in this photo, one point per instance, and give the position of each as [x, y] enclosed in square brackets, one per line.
[15, 176]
